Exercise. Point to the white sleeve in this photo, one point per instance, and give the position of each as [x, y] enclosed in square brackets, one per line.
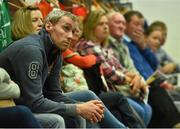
[8, 89]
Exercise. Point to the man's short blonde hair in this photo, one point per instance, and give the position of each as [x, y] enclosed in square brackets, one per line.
[57, 14]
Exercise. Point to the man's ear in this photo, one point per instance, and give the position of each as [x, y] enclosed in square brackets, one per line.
[48, 26]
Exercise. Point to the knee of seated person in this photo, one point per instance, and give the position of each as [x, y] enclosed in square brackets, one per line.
[149, 109]
[137, 107]
[58, 121]
[22, 110]
[91, 95]
[148, 112]
[120, 96]
[82, 122]
[75, 122]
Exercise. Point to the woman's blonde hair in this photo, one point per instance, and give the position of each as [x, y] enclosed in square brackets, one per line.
[90, 23]
[22, 24]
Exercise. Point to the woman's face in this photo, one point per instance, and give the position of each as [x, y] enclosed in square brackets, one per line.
[76, 35]
[164, 36]
[37, 20]
[154, 40]
[101, 30]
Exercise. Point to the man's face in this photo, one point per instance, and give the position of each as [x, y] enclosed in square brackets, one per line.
[62, 32]
[117, 25]
[135, 28]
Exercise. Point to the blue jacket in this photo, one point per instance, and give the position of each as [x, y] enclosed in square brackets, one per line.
[140, 62]
[34, 63]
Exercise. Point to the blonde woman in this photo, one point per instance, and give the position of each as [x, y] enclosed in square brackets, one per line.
[27, 20]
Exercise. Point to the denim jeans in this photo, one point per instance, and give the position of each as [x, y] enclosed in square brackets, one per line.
[144, 110]
[121, 109]
[50, 120]
[75, 122]
[109, 121]
[17, 117]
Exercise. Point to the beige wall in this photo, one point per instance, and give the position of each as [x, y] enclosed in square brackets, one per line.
[167, 11]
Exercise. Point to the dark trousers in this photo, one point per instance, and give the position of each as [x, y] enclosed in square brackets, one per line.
[17, 117]
[165, 114]
[121, 109]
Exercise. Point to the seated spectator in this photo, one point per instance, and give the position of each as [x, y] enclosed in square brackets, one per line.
[8, 111]
[26, 20]
[116, 22]
[29, 20]
[165, 114]
[153, 36]
[166, 64]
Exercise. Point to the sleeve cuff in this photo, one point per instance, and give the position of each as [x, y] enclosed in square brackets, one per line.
[71, 109]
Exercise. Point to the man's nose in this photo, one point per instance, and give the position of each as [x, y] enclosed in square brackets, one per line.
[70, 36]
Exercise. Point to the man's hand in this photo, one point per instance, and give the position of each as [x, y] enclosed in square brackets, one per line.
[130, 74]
[138, 85]
[138, 37]
[128, 77]
[92, 110]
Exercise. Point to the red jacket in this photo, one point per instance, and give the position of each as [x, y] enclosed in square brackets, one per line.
[80, 61]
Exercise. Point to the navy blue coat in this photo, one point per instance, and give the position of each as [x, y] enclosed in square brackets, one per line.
[34, 63]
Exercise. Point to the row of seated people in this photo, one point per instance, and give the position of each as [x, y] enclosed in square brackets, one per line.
[117, 79]
[93, 110]
[93, 43]
[86, 47]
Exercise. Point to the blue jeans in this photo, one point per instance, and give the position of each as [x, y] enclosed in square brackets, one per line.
[121, 109]
[75, 122]
[50, 120]
[17, 117]
[109, 121]
[144, 110]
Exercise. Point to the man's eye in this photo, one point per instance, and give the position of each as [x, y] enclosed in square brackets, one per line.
[66, 28]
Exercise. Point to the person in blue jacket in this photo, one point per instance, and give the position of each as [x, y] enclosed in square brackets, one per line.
[165, 114]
